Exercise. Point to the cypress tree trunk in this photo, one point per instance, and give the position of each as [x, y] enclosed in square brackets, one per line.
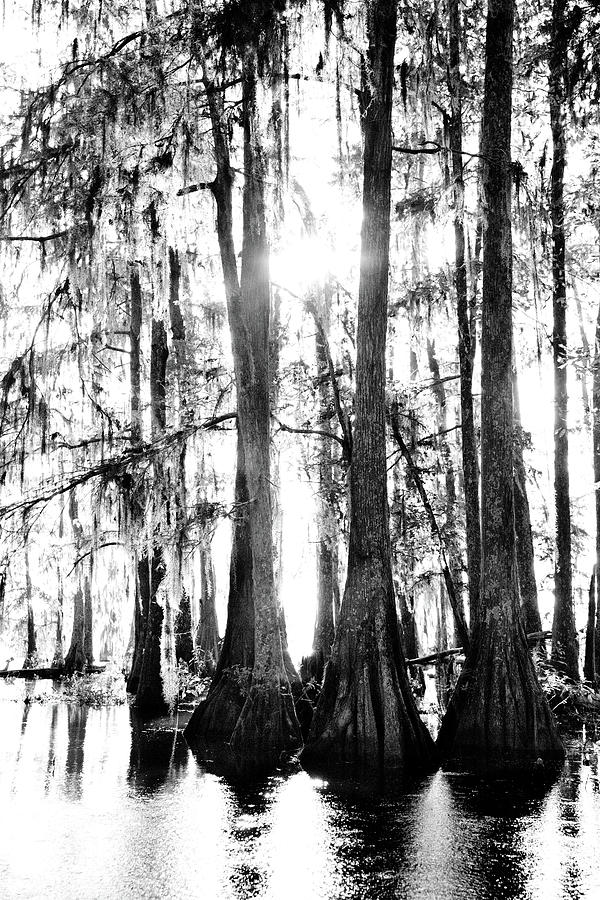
[326, 547]
[140, 619]
[565, 646]
[589, 667]
[449, 530]
[58, 658]
[267, 725]
[75, 660]
[140, 566]
[596, 455]
[216, 718]
[524, 547]
[149, 695]
[466, 344]
[366, 713]
[88, 631]
[31, 657]
[207, 633]
[184, 643]
[498, 719]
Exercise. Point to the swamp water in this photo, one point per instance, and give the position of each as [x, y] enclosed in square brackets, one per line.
[93, 806]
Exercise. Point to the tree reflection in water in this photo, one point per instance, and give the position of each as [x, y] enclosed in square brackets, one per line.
[122, 809]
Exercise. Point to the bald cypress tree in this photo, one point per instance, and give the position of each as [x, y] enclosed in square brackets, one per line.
[366, 713]
[498, 718]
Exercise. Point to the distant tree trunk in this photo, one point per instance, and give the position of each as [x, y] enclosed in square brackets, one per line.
[565, 646]
[75, 660]
[88, 629]
[587, 358]
[217, 718]
[326, 545]
[267, 725]
[184, 643]
[141, 592]
[596, 454]
[214, 720]
[589, 667]
[498, 718]
[449, 531]
[141, 606]
[58, 658]
[466, 343]
[207, 633]
[149, 698]
[524, 547]
[366, 713]
[31, 657]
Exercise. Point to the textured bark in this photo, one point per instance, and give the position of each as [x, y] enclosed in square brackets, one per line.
[466, 342]
[75, 660]
[88, 624]
[135, 327]
[589, 666]
[140, 567]
[149, 694]
[215, 718]
[249, 703]
[366, 713]
[149, 700]
[207, 632]
[525, 553]
[267, 725]
[449, 533]
[31, 658]
[565, 646]
[141, 605]
[498, 719]
[326, 545]
[596, 456]
[58, 658]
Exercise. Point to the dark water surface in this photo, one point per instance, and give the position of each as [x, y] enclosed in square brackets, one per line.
[93, 807]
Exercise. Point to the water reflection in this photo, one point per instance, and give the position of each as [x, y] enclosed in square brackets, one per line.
[157, 755]
[93, 803]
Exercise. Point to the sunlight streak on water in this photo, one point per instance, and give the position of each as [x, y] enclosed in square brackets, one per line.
[93, 805]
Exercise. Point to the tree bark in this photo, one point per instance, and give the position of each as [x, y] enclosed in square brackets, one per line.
[565, 646]
[149, 698]
[75, 660]
[596, 454]
[184, 643]
[140, 566]
[524, 539]
[207, 633]
[366, 713]
[449, 531]
[267, 725]
[589, 667]
[326, 546]
[255, 716]
[466, 343]
[31, 657]
[214, 720]
[498, 719]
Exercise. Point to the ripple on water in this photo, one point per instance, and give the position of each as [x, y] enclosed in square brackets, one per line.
[93, 805]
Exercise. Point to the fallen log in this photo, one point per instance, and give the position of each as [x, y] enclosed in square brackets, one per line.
[434, 657]
[440, 656]
[53, 673]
